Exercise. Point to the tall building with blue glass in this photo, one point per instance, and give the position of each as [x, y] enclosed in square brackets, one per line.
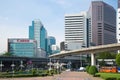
[22, 47]
[38, 32]
[43, 37]
[51, 41]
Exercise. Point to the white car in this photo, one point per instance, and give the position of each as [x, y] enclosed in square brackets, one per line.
[67, 70]
[81, 69]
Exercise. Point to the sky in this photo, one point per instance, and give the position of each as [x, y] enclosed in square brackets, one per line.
[17, 15]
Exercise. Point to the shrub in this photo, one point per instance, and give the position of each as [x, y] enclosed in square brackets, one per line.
[111, 78]
[44, 73]
[20, 71]
[118, 59]
[118, 79]
[7, 71]
[51, 72]
[97, 75]
[93, 70]
[87, 69]
[34, 72]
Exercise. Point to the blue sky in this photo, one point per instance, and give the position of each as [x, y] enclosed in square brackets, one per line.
[17, 15]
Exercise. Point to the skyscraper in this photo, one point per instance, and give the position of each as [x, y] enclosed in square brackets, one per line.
[76, 31]
[118, 22]
[38, 32]
[43, 37]
[51, 41]
[103, 23]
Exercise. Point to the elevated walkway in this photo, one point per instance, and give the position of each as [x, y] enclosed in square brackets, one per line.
[91, 50]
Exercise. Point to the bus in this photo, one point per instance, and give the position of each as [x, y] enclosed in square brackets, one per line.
[108, 69]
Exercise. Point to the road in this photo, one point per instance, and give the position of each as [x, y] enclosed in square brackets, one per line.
[63, 76]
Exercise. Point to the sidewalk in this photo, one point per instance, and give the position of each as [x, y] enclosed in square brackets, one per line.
[76, 76]
[62, 76]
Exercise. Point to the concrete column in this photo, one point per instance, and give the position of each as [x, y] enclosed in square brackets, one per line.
[93, 62]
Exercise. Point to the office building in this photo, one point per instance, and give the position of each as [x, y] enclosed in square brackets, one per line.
[55, 49]
[118, 22]
[51, 41]
[62, 46]
[41, 53]
[38, 32]
[102, 17]
[76, 31]
[22, 47]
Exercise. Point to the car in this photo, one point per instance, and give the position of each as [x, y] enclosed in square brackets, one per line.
[67, 70]
[81, 69]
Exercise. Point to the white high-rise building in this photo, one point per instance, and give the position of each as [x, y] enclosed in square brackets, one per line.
[76, 31]
[118, 22]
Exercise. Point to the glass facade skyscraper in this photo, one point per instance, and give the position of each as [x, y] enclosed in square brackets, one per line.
[38, 32]
[43, 37]
[51, 41]
[22, 47]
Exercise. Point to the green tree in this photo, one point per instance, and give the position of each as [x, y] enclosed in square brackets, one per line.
[106, 55]
[7, 54]
[118, 59]
[102, 63]
[88, 59]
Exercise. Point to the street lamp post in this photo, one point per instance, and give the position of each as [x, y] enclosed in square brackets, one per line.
[57, 66]
[61, 64]
[13, 65]
[21, 64]
[1, 65]
[50, 65]
[69, 65]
